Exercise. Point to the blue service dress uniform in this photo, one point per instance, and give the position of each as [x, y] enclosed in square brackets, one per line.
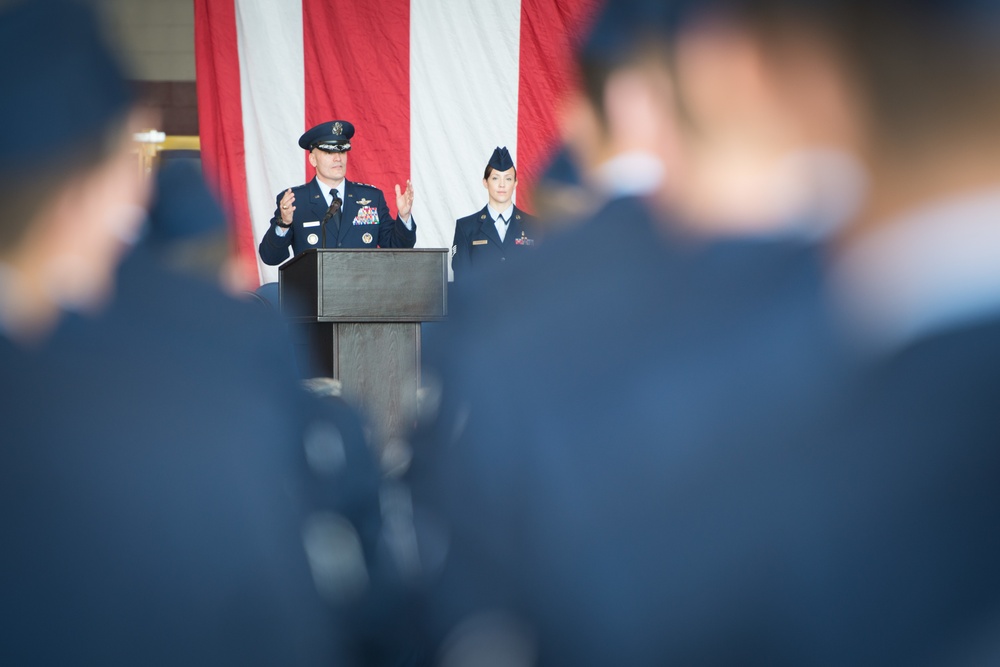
[365, 222]
[585, 403]
[477, 242]
[152, 493]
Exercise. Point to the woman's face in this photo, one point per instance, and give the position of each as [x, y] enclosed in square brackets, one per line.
[500, 185]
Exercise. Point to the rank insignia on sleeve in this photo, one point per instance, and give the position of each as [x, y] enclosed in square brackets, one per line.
[524, 240]
[364, 202]
[454, 250]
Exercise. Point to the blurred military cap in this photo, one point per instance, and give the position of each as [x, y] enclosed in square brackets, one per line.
[63, 85]
[184, 207]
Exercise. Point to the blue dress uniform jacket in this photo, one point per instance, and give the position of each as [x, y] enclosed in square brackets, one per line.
[477, 242]
[365, 223]
[588, 458]
[686, 491]
[152, 494]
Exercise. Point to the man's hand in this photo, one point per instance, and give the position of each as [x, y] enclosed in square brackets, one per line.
[404, 200]
[288, 206]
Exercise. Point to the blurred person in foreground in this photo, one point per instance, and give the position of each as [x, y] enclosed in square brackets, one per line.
[912, 458]
[576, 493]
[644, 483]
[154, 475]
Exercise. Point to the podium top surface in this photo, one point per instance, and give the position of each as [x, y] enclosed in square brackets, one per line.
[365, 285]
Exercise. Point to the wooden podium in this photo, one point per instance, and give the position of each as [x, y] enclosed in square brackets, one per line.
[361, 311]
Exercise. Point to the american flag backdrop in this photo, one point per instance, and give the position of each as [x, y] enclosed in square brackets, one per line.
[432, 86]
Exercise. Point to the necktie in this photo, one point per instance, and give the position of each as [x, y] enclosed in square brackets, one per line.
[501, 227]
[332, 214]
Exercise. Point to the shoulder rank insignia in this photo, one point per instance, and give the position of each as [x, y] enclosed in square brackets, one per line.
[364, 202]
[366, 185]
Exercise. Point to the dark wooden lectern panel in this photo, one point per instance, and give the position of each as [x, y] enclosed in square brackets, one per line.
[366, 285]
[378, 366]
[361, 310]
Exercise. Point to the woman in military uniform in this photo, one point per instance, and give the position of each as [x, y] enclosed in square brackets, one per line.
[500, 230]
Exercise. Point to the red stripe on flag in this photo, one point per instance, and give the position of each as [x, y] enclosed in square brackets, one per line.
[550, 33]
[220, 119]
[357, 67]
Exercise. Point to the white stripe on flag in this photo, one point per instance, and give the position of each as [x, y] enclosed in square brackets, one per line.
[272, 81]
[463, 103]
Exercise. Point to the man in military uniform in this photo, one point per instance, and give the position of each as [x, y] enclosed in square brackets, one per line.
[332, 212]
[500, 229]
[154, 488]
[674, 503]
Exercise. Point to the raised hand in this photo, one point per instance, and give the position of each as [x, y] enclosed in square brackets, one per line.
[287, 207]
[404, 200]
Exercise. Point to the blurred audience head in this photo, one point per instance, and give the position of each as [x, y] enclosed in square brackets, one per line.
[767, 116]
[560, 195]
[769, 112]
[623, 108]
[72, 192]
[755, 116]
[188, 228]
[927, 74]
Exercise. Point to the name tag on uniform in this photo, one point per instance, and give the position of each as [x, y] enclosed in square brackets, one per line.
[481, 242]
[311, 224]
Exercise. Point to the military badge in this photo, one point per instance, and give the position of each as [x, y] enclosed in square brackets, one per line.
[313, 239]
[367, 238]
[368, 215]
[524, 240]
[364, 202]
[337, 128]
